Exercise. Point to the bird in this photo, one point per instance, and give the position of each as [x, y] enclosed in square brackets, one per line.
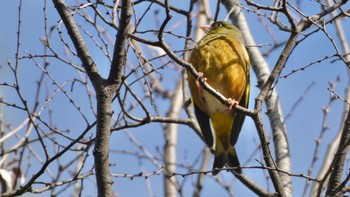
[222, 61]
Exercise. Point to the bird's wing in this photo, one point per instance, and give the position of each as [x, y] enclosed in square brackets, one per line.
[204, 124]
[239, 116]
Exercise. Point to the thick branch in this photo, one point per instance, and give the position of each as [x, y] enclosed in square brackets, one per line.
[263, 96]
[334, 185]
[171, 133]
[103, 130]
[332, 147]
[77, 39]
[105, 92]
[119, 46]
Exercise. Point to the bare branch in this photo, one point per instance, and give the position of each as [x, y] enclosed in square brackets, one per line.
[119, 53]
[78, 41]
[334, 185]
[171, 133]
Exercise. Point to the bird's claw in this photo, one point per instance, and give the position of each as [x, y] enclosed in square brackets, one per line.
[232, 103]
[200, 77]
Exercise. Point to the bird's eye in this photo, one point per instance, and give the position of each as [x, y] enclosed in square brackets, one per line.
[217, 25]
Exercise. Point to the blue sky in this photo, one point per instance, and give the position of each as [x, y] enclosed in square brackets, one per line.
[303, 126]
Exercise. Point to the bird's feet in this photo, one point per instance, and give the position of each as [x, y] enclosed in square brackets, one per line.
[200, 77]
[232, 103]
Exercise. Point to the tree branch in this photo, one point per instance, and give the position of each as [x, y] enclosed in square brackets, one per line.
[334, 185]
[78, 41]
[171, 133]
[119, 47]
[331, 150]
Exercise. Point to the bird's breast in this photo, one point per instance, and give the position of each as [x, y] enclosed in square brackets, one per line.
[223, 67]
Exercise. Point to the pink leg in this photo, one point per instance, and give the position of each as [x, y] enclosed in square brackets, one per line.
[200, 77]
[232, 103]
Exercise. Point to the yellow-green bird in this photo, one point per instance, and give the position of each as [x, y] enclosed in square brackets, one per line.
[221, 57]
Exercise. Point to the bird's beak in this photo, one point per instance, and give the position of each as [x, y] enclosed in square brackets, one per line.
[205, 28]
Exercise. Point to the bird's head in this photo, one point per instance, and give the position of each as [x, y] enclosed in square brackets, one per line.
[221, 27]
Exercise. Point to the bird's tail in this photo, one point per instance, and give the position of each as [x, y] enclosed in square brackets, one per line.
[223, 157]
[232, 160]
